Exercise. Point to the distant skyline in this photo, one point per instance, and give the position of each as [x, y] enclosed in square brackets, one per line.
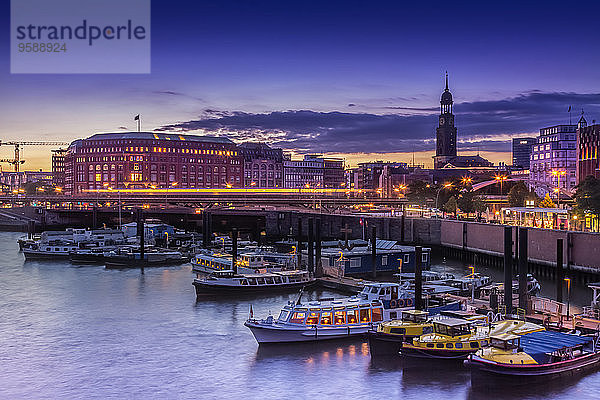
[359, 80]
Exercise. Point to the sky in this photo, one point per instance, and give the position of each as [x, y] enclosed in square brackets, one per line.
[357, 79]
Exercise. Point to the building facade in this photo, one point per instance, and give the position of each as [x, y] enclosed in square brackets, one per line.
[58, 167]
[588, 144]
[305, 173]
[148, 159]
[11, 180]
[446, 132]
[263, 165]
[554, 150]
[521, 152]
[333, 173]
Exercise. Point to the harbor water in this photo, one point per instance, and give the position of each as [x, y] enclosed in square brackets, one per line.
[74, 332]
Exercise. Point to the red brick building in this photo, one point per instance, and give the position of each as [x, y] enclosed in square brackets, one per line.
[146, 159]
[588, 144]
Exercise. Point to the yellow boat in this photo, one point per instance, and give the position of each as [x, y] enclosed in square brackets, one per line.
[456, 339]
[387, 339]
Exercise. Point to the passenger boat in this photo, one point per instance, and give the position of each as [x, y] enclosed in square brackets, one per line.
[456, 339]
[377, 302]
[387, 339]
[247, 262]
[537, 356]
[228, 282]
[54, 249]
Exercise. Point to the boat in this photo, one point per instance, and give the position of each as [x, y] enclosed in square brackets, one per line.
[229, 282]
[128, 258]
[534, 357]
[533, 288]
[456, 339]
[352, 316]
[387, 339]
[252, 261]
[90, 255]
[54, 249]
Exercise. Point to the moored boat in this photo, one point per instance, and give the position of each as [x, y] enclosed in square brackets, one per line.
[534, 357]
[129, 259]
[228, 282]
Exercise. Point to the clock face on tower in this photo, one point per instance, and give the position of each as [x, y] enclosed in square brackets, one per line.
[441, 120]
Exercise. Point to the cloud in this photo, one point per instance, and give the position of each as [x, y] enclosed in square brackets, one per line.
[482, 125]
[179, 94]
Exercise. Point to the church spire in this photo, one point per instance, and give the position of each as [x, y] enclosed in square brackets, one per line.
[447, 81]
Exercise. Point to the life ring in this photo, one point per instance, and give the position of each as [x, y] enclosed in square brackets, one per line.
[409, 302]
[401, 303]
[393, 303]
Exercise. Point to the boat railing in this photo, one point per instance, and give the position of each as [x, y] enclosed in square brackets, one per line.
[591, 312]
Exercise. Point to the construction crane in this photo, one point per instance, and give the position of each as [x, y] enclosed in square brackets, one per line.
[17, 161]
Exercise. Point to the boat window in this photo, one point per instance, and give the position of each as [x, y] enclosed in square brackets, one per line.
[243, 282]
[261, 281]
[406, 258]
[298, 318]
[375, 290]
[459, 345]
[252, 281]
[353, 316]
[421, 318]
[364, 315]
[377, 314]
[277, 279]
[474, 345]
[484, 343]
[393, 315]
[430, 345]
[283, 316]
[427, 329]
[449, 345]
[440, 345]
[269, 281]
[326, 318]
[441, 329]
[313, 318]
[400, 331]
[388, 290]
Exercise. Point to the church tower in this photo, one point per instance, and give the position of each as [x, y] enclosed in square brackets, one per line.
[446, 131]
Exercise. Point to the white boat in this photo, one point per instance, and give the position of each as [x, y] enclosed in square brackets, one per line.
[54, 249]
[228, 282]
[248, 262]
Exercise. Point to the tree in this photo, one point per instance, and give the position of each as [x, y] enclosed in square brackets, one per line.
[479, 205]
[517, 195]
[587, 197]
[419, 192]
[547, 202]
[451, 205]
[465, 202]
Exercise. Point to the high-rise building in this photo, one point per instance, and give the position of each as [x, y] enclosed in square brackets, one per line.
[263, 165]
[58, 167]
[554, 159]
[446, 131]
[307, 172]
[148, 159]
[588, 144]
[521, 151]
[333, 173]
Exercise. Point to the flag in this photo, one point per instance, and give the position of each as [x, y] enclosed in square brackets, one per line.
[137, 117]
[569, 109]
[251, 312]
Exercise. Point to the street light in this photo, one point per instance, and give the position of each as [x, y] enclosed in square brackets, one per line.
[466, 180]
[472, 275]
[501, 179]
[557, 173]
[568, 280]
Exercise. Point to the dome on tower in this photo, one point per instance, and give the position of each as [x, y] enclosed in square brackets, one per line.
[446, 97]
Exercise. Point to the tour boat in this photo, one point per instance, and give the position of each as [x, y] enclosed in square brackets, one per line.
[55, 249]
[456, 339]
[129, 259]
[247, 262]
[538, 356]
[227, 282]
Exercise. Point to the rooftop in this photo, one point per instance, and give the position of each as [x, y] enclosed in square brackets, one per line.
[158, 136]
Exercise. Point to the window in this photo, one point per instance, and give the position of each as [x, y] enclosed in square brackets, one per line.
[384, 260]
[406, 258]
[325, 318]
[400, 331]
[424, 257]
[313, 318]
[474, 345]
[283, 316]
[430, 345]
[364, 315]
[352, 316]
[297, 318]
[459, 345]
[449, 345]
[377, 314]
[340, 317]
[440, 345]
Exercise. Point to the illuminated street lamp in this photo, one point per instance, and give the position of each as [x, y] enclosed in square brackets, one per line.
[557, 174]
[58, 189]
[501, 179]
[466, 180]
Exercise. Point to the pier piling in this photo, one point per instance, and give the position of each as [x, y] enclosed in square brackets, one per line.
[374, 251]
[560, 272]
[299, 243]
[141, 232]
[418, 278]
[523, 261]
[508, 261]
[234, 249]
[311, 247]
[318, 263]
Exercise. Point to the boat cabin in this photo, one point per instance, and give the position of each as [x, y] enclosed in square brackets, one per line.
[332, 312]
[505, 341]
[415, 316]
[452, 327]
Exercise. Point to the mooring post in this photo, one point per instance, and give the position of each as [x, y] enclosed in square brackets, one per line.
[207, 228]
[234, 249]
[560, 272]
[374, 251]
[299, 243]
[402, 222]
[318, 263]
[94, 217]
[141, 232]
[523, 260]
[311, 247]
[508, 267]
[418, 278]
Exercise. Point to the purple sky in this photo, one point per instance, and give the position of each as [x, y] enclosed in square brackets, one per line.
[350, 77]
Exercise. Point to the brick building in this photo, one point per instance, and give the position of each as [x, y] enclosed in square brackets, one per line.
[263, 165]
